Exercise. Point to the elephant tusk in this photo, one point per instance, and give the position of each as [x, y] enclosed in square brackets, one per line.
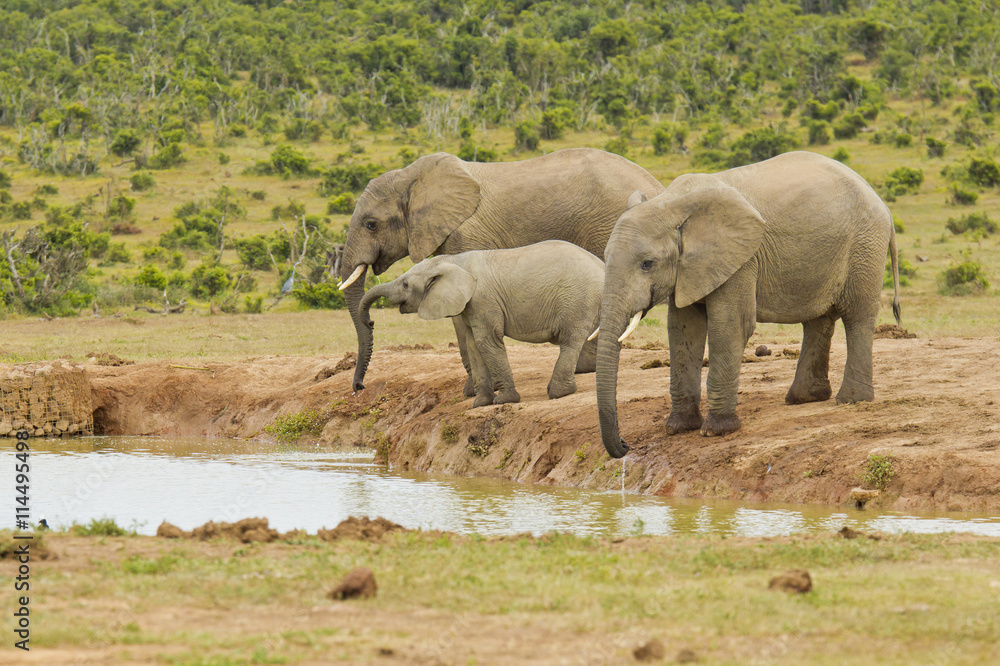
[594, 334]
[354, 276]
[632, 325]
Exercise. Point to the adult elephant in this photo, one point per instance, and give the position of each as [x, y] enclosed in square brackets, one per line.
[443, 205]
[796, 238]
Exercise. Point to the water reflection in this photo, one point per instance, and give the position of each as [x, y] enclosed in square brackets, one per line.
[142, 481]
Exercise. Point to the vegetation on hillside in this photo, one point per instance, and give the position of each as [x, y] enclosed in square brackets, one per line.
[167, 150]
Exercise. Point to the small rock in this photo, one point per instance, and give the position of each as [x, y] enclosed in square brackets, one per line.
[796, 580]
[762, 350]
[358, 583]
[653, 650]
[686, 656]
[168, 531]
[860, 496]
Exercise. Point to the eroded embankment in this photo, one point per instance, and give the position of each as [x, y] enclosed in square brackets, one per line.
[936, 412]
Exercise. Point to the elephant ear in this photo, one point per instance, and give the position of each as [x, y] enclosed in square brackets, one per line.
[442, 195]
[447, 293]
[635, 199]
[720, 233]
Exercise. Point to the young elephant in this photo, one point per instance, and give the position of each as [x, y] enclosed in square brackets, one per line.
[546, 292]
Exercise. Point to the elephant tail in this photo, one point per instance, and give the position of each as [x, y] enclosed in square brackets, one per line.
[894, 258]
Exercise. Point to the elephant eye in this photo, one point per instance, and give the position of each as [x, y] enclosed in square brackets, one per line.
[370, 224]
[646, 265]
[406, 284]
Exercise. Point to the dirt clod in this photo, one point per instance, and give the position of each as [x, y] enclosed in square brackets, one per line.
[846, 532]
[248, 530]
[893, 331]
[359, 583]
[655, 363]
[651, 651]
[860, 496]
[796, 580]
[360, 529]
[106, 358]
[349, 361]
[762, 350]
[790, 352]
[686, 656]
[169, 531]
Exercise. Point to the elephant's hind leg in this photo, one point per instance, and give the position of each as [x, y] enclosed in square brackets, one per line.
[812, 374]
[563, 382]
[587, 362]
[857, 386]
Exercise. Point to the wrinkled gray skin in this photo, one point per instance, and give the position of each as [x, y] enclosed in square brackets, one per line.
[797, 238]
[546, 292]
[442, 205]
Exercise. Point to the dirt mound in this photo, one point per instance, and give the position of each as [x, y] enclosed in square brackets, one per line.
[361, 529]
[252, 530]
[893, 332]
[347, 363]
[111, 360]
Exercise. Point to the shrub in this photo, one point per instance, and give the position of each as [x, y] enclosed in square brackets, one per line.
[879, 471]
[618, 145]
[849, 126]
[902, 140]
[841, 154]
[46, 189]
[223, 159]
[21, 210]
[526, 136]
[903, 180]
[125, 142]
[207, 280]
[288, 162]
[470, 152]
[237, 130]
[348, 178]
[819, 132]
[142, 181]
[4, 180]
[977, 221]
[253, 252]
[816, 111]
[342, 204]
[961, 196]
[984, 171]
[668, 137]
[554, 122]
[170, 155]
[906, 271]
[290, 427]
[324, 295]
[935, 147]
[152, 276]
[963, 278]
[117, 254]
[760, 144]
[898, 225]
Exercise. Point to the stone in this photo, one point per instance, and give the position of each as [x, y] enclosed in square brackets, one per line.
[796, 580]
[762, 350]
[62, 424]
[651, 651]
[359, 583]
[5, 428]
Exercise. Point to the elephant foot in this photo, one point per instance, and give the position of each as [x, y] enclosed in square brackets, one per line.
[469, 389]
[483, 400]
[562, 389]
[504, 397]
[683, 421]
[853, 391]
[818, 391]
[720, 424]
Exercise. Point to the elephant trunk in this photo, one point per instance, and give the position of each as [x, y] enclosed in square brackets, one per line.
[365, 326]
[352, 297]
[613, 319]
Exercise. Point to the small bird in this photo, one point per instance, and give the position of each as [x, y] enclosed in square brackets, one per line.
[43, 525]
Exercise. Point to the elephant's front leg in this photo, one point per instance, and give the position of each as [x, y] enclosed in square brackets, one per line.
[488, 338]
[732, 317]
[686, 329]
[469, 389]
[479, 375]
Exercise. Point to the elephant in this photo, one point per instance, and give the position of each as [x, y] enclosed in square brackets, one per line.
[440, 204]
[798, 238]
[544, 292]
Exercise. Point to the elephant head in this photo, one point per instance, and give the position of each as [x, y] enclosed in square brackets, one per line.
[405, 211]
[669, 247]
[435, 288]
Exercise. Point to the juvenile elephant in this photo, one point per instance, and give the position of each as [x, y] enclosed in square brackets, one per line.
[796, 238]
[442, 205]
[546, 292]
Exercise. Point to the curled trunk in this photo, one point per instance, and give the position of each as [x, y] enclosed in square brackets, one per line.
[608, 351]
[364, 325]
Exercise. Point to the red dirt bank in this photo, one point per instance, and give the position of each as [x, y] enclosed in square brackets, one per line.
[937, 411]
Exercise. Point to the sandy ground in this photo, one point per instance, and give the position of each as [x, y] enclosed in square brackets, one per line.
[937, 412]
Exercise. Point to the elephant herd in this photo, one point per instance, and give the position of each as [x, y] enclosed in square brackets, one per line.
[517, 247]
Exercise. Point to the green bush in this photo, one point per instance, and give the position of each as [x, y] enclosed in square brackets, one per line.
[963, 278]
[526, 136]
[142, 181]
[906, 272]
[902, 140]
[978, 221]
[849, 126]
[819, 132]
[554, 122]
[342, 204]
[618, 145]
[151, 276]
[125, 142]
[170, 155]
[324, 295]
[290, 427]
[935, 147]
[117, 254]
[760, 144]
[902, 180]
[814, 110]
[207, 280]
[841, 154]
[4, 180]
[348, 178]
[984, 172]
[960, 196]
[470, 152]
[668, 137]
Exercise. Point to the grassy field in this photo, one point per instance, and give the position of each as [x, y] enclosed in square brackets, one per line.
[898, 600]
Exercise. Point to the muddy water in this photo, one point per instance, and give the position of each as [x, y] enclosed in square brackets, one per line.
[141, 481]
